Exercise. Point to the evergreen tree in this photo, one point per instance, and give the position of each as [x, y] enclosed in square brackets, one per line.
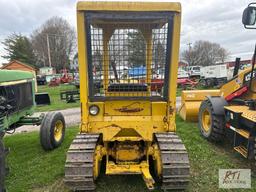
[159, 56]
[19, 47]
[137, 49]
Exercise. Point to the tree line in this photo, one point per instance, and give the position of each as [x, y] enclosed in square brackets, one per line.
[52, 44]
[201, 53]
[204, 53]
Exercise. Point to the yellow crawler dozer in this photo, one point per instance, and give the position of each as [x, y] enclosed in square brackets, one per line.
[127, 122]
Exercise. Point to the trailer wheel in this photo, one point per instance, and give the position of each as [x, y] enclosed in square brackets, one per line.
[52, 130]
[203, 83]
[211, 126]
[209, 82]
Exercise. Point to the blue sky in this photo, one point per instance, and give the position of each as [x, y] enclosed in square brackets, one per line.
[213, 20]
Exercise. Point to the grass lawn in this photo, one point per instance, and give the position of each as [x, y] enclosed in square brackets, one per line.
[54, 93]
[33, 169]
[178, 93]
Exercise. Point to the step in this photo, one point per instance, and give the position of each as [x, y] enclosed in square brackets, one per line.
[243, 133]
[242, 150]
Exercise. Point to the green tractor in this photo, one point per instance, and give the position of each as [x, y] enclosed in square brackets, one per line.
[18, 101]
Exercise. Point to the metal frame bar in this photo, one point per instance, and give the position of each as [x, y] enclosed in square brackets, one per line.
[89, 15]
[168, 58]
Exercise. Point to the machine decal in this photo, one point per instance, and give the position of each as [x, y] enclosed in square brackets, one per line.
[247, 76]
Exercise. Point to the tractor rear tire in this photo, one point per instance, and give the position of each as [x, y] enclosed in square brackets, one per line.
[211, 126]
[52, 130]
[3, 168]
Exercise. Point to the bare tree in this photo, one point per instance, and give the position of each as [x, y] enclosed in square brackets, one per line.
[54, 43]
[205, 53]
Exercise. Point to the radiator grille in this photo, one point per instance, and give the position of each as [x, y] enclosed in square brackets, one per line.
[18, 96]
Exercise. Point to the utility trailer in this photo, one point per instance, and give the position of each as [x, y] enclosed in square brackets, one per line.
[213, 75]
[194, 72]
[17, 106]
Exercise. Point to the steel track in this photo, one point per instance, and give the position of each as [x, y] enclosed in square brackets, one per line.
[79, 163]
[175, 162]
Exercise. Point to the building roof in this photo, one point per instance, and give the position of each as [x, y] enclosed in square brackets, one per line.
[232, 63]
[14, 75]
[19, 62]
[46, 68]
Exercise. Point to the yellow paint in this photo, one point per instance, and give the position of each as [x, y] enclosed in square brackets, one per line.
[128, 6]
[149, 181]
[127, 152]
[155, 153]
[113, 169]
[16, 82]
[143, 127]
[191, 100]
[242, 150]
[141, 168]
[234, 84]
[128, 108]
[83, 68]
[243, 132]
[246, 113]
[100, 151]
[127, 123]
[206, 120]
[58, 130]
[173, 74]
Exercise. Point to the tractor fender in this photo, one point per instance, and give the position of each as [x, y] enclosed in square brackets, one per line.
[218, 104]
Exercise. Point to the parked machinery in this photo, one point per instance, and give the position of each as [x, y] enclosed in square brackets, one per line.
[213, 75]
[194, 72]
[17, 105]
[66, 77]
[125, 121]
[41, 80]
[231, 110]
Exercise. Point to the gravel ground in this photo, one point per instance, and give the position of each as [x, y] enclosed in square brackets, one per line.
[72, 117]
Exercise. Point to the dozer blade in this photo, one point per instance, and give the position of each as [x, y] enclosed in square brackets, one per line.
[191, 101]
